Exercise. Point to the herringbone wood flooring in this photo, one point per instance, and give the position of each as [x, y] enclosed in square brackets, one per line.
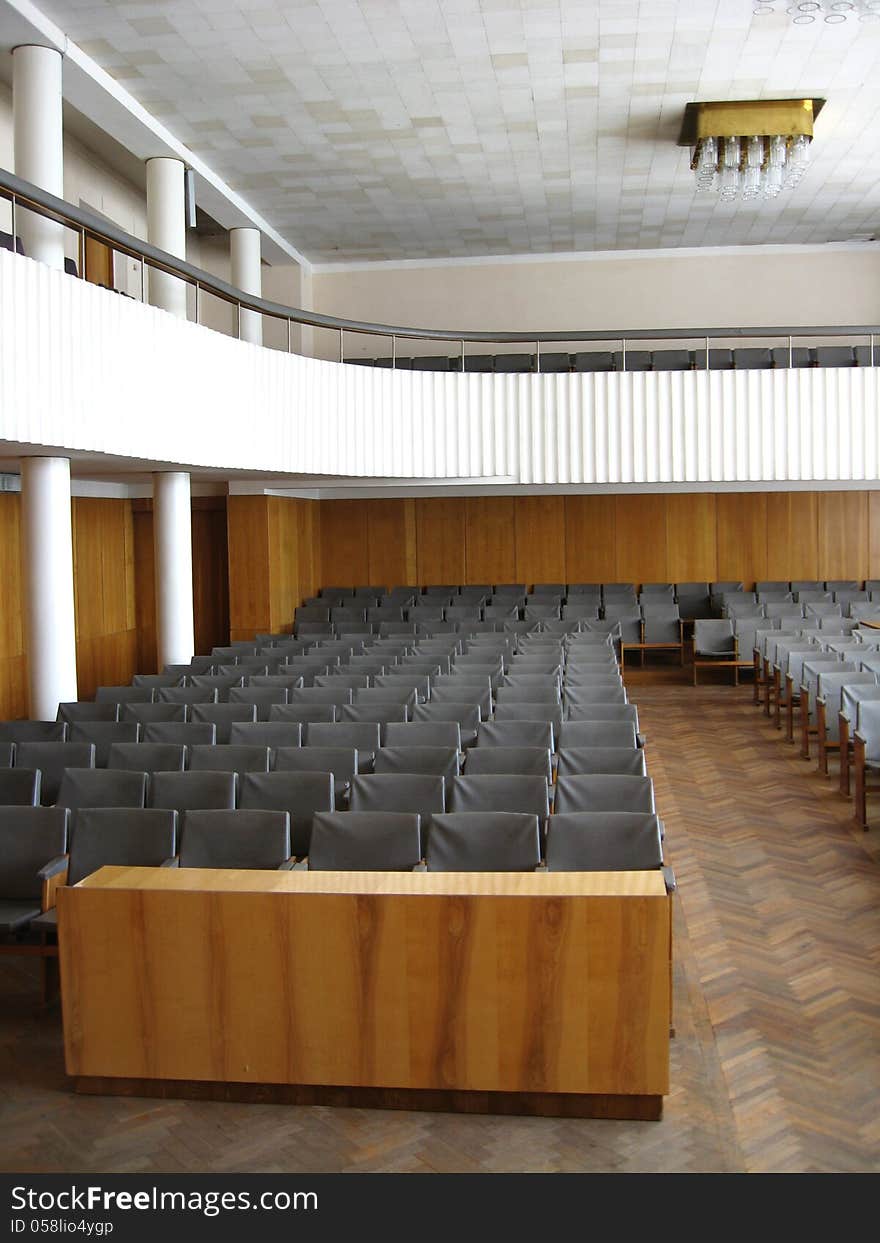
[776, 1060]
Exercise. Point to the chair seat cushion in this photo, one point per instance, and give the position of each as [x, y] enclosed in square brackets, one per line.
[47, 922]
[16, 915]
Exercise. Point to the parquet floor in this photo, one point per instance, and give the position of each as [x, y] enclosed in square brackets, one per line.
[776, 1061]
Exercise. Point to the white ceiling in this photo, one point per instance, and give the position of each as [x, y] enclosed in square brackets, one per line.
[403, 129]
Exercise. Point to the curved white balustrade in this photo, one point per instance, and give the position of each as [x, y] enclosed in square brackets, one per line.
[85, 369]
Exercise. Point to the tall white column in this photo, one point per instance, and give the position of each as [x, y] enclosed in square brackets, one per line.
[38, 145]
[47, 567]
[244, 252]
[172, 549]
[166, 228]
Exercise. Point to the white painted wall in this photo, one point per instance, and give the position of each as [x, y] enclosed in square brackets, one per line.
[745, 286]
[82, 369]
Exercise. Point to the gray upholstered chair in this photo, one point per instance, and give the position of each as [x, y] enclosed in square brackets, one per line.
[115, 837]
[33, 841]
[516, 734]
[222, 716]
[604, 842]
[20, 787]
[87, 711]
[604, 792]
[416, 794]
[246, 838]
[300, 794]
[715, 644]
[509, 761]
[465, 715]
[153, 714]
[626, 761]
[228, 757]
[33, 731]
[103, 734]
[194, 791]
[499, 793]
[52, 758]
[148, 757]
[426, 761]
[102, 787]
[358, 841]
[483, 841]
[181, 733]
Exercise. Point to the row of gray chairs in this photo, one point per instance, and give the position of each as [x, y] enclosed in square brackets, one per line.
[750, 358]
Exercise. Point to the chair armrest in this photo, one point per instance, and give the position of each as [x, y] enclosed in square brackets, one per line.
[640, 740]
[542, 866]
[301, 865]
[173, 862]
[288, 865]
[668, 878]
[52, 877]
[421, 867]
[54, 867]
[857, 737]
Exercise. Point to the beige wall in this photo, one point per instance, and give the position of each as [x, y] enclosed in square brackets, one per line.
[753, 287]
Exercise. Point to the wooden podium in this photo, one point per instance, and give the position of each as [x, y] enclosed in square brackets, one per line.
[492, 992]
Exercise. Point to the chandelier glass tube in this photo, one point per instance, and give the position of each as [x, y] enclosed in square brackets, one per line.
[833, 12]
[750, 166]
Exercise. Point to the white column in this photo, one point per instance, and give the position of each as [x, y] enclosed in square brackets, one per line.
[47, 568]
[166, 228]
[244, 252]
[172, 550]
[38, 146]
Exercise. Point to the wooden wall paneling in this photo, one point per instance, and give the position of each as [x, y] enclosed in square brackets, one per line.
[344, 549]
[691, 543]
[284, 561]
[250, 593]
[391, 543]
[210, 553]
[144, 585]
[843, 535]
[590, 539]
[309, 533]
[741, 526]
[640, 525]
[13, 660]
[440, 539]
[539, 535]
[104, 592]
[874, 535]
[490, 554]
[793, 535]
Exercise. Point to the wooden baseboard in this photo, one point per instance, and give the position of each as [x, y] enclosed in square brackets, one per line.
[533, 1104]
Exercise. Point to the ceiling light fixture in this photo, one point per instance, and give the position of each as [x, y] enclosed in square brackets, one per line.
[749, 148]
[834, 12]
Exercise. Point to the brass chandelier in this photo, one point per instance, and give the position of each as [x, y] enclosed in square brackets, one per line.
[749, 149]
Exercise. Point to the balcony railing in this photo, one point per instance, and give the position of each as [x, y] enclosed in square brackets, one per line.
[543, 352]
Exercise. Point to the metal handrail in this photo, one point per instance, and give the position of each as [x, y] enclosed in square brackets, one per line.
[25, 195]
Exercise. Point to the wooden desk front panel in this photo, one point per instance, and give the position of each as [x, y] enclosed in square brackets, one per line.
[392, 989]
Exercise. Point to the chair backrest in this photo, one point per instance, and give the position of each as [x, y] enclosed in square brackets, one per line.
[604, 792]
[713, 637]
[33, 731]
[120, 837]
[428, 761]
[374, 713]
[194, 791]
[102, 787]
[229, 757]
[266, 733]
[485, 841]
[499, 793]
[149, 757]
[235, 839]
[412, 793]
[222, 715]
[19, 787]
[103, 734]
[466, 715]
[360, 735]
[342, 762]
[868, 725]
[125, 694]
[498, 761]
[52, 758]
[30, 837]
[604, 842]
[181, 733]
[153, 714]
[188, 695]
[516, 734]
[300, 794]
[597, 733]
[423, 734]
[86, 710]
[626, 761]
[528, 710]
[364, 841]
